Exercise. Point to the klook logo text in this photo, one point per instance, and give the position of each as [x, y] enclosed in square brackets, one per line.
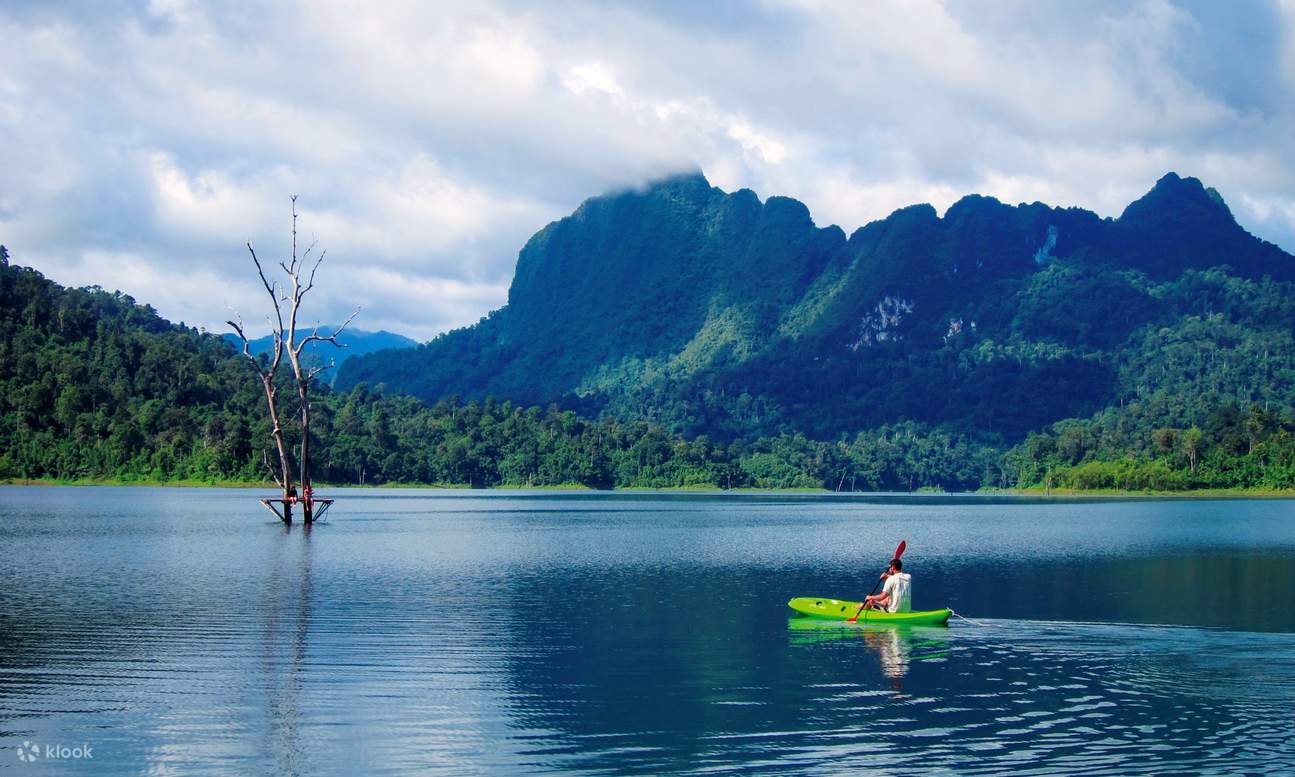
[31, 752]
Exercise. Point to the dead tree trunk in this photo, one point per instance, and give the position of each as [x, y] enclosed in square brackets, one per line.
[304, 376]
[267, 373]
[286, 341]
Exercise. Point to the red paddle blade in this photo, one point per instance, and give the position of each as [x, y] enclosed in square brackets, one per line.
[903, 545]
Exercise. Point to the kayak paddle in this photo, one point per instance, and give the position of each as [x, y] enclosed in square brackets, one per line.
[899, 551]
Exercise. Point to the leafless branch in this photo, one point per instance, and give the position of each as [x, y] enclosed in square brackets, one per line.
[313, 372]
[310, 284]
[265, 455]
[314, 336]
[264, 281]
[237, 325]
[345, 324]
[269, 287]
[294, 237]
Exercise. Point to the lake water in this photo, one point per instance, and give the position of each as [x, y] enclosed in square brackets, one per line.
[184, 631]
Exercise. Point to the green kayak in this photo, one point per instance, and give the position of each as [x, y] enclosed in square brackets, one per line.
[834, 609]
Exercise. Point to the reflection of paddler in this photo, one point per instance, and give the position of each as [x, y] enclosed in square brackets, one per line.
[897, 647]
[892, 648]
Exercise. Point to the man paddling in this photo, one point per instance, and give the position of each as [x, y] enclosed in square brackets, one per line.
[889, 594]
[895, 594]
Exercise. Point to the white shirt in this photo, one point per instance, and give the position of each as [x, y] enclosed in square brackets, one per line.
[897, 585]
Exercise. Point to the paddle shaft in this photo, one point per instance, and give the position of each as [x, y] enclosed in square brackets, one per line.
[864, 606]
[878, 585]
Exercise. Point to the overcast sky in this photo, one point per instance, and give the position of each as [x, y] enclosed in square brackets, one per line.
[143, 143]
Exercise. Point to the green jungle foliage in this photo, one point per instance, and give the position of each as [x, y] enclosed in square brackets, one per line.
[1249, 448]
[94, 386]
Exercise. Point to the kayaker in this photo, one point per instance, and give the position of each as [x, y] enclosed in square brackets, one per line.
[895, 594]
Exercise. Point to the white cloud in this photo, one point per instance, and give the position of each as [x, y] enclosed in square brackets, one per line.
[771, 149]
[208, 204]
[410, 295]
[503, 59]
[591, 76]
[428, 142]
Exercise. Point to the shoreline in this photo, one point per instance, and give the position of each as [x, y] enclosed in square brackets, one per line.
[1204, 493]
[1211, 493]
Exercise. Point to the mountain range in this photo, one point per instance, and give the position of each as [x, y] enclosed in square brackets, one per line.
[720, 314]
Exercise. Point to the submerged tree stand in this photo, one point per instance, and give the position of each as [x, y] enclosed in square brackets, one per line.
[311, 511]
[286, 305]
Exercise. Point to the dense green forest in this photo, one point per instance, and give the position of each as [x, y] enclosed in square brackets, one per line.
[1207, 388]
[936, 353]
[96, 386]
[1249, 448]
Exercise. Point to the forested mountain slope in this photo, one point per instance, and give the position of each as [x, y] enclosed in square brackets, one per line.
[94, 386]
[718, 314]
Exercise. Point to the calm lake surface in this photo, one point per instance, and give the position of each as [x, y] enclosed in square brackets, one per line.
[184, 631]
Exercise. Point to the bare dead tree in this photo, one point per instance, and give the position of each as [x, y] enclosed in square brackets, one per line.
[268, 373]
[286, 341]
[295, 347]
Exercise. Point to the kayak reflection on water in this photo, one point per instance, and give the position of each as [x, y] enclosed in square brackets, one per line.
[896, 646]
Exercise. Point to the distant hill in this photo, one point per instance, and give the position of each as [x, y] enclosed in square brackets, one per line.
[715, 313]
[357, 342]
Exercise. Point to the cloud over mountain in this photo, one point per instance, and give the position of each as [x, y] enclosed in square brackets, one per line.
[143, 143]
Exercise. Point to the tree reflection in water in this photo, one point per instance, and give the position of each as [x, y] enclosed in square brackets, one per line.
[287, 616]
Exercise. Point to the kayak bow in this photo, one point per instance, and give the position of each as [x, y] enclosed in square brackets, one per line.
[837, 610]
